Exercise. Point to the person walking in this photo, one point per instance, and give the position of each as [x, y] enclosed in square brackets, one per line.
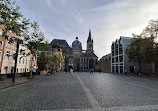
[71, 72]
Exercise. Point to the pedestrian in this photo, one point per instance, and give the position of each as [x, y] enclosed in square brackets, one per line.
[125, 72]
[71, 72]
[90, 71]
[138, 73]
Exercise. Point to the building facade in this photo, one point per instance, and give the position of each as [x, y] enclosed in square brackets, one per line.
[120, 62]
[119, 59]
[104, 64]
[8, 60]
[76, 57]
[26, 60]
[2, 45]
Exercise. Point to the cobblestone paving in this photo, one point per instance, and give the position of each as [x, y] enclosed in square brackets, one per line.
[83, 92]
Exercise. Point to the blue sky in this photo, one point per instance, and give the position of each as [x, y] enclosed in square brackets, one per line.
[108, 19]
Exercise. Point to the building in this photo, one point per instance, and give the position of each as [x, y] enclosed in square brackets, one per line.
[119, 59]
[26, 60]
[22, 59]
[2, 45]
[8, 60]
[120, 62]
[104, 64]
[75, 56]
[62, 45]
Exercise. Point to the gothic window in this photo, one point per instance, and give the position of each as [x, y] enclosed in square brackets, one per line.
[91, 63]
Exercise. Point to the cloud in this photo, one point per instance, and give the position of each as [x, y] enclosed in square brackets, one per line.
[115, 5]
[108, 19]
[51, 6]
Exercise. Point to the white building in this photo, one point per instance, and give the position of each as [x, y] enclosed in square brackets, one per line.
[26, 60]
[119, 59]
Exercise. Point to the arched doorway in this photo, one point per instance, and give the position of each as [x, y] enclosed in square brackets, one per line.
[91, 63]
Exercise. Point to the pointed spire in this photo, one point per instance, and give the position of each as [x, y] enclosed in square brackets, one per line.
[89, 37]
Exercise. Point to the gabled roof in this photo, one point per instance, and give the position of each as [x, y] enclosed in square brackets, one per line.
[59, 42]
[89, 55]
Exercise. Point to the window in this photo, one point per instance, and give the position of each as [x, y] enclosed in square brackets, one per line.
[15, 43]
[19, 60]
[16, 70]
[7, 55]
[5, 69]
[13, 56]
[1, 31]
[23, 61]
[1, 44]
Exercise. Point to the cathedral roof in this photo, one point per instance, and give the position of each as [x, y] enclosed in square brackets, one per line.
[89, 55]
[89, 37]
[76, 43]
[59, 42]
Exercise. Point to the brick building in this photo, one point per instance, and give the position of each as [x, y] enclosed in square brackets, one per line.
[104, 64]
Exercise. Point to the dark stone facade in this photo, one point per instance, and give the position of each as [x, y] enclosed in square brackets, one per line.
[75, 57]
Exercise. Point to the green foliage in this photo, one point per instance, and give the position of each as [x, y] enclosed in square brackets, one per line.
[133, 49]
[35, 38]
[142, 50]
[147, 50]
[12, 18]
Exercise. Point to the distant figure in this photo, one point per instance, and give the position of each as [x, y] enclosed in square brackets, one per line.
[125, 71]
[91, 70]
[71, 72]
[138, 73]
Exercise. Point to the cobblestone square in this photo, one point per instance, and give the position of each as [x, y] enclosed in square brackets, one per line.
[83, 91]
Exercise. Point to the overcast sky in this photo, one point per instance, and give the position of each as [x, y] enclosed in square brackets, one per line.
[108, 19]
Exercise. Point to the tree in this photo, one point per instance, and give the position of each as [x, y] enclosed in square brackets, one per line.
[35, 38]
[133, 51]
[147, 51]
[13, 21]
[11, 18]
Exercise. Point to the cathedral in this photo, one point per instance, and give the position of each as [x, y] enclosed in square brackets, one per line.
[75, 56]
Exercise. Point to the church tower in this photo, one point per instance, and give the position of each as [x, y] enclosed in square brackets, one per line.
[89, 43]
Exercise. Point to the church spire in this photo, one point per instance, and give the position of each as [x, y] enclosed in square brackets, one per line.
[89, 37]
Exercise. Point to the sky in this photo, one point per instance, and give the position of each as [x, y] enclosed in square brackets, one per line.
[107, 19]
